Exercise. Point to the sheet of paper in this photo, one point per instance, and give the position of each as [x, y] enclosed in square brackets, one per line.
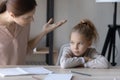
[11, 72]
[37, 70]
[23, 71]
[58, 77]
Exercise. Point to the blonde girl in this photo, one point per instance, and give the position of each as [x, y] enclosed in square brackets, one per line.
[80, 53]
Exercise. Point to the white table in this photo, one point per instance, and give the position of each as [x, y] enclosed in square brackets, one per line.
[97, 74]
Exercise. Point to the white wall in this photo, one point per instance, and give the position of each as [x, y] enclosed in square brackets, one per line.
[39, 20]
[36, 26]
[74, 10]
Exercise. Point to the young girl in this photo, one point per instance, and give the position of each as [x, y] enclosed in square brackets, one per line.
[15, 19]
[79, 53]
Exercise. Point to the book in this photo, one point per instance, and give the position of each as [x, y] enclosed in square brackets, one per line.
[23, 71]
[58, 77]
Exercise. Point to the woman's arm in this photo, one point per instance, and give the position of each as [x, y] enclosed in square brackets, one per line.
[48, 27]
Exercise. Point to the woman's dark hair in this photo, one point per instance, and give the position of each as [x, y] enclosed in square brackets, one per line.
[3, 6]
[18, 7]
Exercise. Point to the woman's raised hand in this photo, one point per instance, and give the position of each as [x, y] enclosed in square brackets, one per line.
[48, 27]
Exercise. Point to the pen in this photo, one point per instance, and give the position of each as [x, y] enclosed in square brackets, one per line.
[35, 78]
[81, 73]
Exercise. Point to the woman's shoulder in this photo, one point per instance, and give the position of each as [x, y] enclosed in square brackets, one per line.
[2, 25]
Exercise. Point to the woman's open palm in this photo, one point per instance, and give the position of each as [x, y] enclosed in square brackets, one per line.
[48, 27]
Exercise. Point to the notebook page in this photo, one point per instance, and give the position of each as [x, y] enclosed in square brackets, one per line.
[11, 72]
[23, 71]
[58, 77]
[36, 70]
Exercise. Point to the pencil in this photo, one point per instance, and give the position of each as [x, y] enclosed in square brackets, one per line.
[81, 73]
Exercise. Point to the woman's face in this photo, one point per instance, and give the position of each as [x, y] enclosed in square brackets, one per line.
[25, 19]
[78, 44]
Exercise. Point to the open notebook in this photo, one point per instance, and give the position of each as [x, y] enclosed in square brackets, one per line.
[58, 77]
[23, 71]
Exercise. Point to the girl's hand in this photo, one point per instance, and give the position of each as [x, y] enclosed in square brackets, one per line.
[48, 27]
[87, 59]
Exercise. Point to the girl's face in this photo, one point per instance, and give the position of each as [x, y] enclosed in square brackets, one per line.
[78, 44]
[25, 19]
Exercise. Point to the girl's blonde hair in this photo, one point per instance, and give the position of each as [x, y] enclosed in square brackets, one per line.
[86, 28]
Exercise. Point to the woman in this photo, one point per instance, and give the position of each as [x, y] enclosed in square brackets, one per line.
[15, 18]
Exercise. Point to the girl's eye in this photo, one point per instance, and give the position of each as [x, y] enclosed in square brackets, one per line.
[71, 42]
[81, 43]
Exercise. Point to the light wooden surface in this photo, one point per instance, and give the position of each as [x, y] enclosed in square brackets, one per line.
[97, 74]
